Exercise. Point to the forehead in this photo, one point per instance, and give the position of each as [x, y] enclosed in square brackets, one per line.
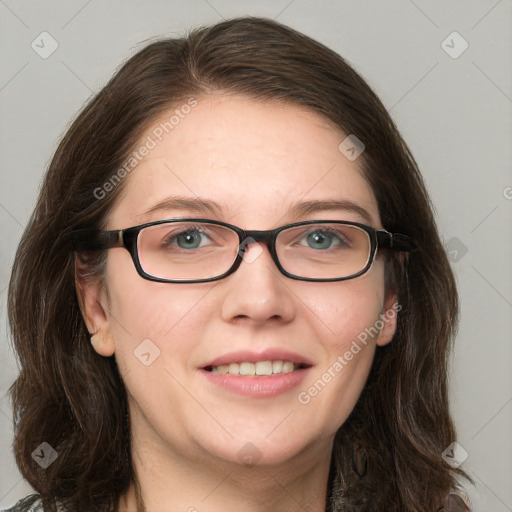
[254, 159]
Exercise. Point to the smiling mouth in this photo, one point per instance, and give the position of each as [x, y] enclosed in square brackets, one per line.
[261, 368]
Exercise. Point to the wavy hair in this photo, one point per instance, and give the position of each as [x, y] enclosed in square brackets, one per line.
[387, 455]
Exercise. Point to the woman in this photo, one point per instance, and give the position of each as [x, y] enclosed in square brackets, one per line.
[232, 290]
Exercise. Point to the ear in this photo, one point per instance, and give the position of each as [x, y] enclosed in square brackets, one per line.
[93, 301]
[388, 317]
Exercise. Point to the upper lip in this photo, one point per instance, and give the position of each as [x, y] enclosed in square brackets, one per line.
[252, 356]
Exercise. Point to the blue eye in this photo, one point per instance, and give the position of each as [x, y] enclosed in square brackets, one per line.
[192, 238]
[325, 239]
[318, 240]
[189, 239]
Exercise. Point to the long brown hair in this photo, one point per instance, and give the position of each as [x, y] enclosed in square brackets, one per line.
[73, 399]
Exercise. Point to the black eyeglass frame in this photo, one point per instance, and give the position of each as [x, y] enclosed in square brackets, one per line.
[94, 240]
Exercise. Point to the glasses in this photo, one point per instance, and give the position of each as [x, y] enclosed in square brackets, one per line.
[202, 250]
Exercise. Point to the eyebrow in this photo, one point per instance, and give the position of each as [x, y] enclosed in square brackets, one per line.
[198, 205]
[308, 207]
[191, 204]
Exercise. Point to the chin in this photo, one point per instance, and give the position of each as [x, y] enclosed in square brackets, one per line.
[261, 452]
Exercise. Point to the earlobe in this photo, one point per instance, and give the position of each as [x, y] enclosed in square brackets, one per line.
[388, 319]
[103, 344]
[93, 305]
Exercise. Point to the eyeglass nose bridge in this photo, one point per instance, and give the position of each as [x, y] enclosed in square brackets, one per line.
[268, 237]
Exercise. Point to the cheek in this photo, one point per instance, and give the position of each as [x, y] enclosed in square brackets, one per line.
[347, 308]
[143, 310]
[348, 312]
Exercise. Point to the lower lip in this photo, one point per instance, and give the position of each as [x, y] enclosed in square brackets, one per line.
[257, 386]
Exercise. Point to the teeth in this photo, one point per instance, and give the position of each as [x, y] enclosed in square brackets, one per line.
[277, 366]
[287, 367]
[223, 368]
[264, 368]
[259, 368]
[247, 369]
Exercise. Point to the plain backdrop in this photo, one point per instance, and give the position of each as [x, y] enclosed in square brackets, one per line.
[441, 68]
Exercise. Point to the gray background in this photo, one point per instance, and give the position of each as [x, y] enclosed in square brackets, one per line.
[455, 113]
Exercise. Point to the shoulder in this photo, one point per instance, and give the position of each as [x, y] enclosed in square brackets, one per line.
[456, 501]
[31, 503]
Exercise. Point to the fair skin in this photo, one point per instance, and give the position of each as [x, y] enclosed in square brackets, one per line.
[255, 159]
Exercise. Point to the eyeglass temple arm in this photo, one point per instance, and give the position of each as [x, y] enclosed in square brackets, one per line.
[395, 241]
[94, 240]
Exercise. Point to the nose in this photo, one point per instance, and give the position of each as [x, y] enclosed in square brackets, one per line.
[257, 293]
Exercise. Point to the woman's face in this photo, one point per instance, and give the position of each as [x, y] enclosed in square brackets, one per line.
[256, 161]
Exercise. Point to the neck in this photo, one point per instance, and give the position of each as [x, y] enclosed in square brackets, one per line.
[170, 482]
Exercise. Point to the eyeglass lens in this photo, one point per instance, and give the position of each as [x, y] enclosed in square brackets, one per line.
[194, 250]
